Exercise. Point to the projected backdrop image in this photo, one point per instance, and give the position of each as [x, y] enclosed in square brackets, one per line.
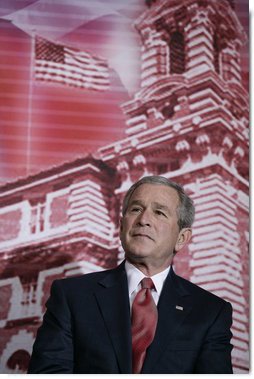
[95, 95]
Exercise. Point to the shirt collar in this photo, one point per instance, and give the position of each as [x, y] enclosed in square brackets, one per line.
[134, 276]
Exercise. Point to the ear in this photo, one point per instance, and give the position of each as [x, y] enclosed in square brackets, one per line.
[184, 238]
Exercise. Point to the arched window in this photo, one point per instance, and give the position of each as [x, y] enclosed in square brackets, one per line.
[216, 54]
[19, 361]
[232, 3]
[177, 53]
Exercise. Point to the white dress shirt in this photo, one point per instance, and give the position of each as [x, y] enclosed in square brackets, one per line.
[134, 277]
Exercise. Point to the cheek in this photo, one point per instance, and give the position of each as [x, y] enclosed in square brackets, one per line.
[126, 224]
[168, 234]
[123, 229]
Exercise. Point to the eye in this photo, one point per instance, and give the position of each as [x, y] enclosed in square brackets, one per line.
[135, 209]
[160, 213]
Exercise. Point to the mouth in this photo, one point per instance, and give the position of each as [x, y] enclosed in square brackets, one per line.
[142, 235]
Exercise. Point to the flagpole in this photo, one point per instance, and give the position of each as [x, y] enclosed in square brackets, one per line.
[30, 108]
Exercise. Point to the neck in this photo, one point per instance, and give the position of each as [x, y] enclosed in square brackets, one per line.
[149, 269]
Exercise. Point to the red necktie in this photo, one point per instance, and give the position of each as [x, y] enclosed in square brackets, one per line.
[144, 321]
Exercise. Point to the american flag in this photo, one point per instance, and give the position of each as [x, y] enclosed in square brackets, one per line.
[69, 66]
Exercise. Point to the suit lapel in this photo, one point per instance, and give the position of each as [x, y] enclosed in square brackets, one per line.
[113, 302]
[172, 310]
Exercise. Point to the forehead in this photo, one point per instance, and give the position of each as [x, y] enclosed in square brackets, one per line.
[159, 193]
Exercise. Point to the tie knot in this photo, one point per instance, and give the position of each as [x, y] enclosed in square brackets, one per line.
[147, 283]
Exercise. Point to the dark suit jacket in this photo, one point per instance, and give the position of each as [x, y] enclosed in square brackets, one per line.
[87, 328]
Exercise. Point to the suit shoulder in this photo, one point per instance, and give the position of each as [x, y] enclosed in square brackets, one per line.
[88, 279]
[199, 292]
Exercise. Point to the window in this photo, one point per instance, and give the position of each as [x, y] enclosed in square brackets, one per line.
[37, 218]
[177, 53]
[232, 3]
[19, 361]
[216, 53]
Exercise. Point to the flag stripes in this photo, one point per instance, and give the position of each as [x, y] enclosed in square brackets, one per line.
[69, 66]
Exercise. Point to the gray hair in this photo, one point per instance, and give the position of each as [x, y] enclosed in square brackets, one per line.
[186, 209]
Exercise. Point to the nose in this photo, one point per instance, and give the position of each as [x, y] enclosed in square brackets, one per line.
[144, 219]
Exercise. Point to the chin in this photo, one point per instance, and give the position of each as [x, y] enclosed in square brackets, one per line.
[137, 255]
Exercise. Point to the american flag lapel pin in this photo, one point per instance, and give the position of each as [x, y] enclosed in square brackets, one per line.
[179, 307]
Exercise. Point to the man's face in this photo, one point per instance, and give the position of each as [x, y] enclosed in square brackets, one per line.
[149, 228]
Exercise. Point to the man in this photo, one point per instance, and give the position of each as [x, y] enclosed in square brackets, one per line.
[106, 323]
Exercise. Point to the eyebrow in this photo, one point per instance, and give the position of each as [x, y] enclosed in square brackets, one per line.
[157, 205]
[135, 202]
[160, 206]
